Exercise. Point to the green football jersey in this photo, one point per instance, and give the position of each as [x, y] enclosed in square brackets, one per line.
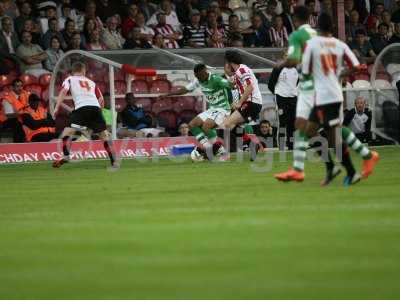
[216, 89]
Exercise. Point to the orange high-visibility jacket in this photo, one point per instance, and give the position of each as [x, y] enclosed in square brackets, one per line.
[39, 114]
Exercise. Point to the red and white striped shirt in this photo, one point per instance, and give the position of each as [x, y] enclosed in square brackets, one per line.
[278, 38]
[166, 30]
[220, 33]
[243, 77]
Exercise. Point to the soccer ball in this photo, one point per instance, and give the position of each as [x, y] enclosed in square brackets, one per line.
[196, 156]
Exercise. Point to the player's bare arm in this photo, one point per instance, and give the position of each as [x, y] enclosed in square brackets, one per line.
[60, 100]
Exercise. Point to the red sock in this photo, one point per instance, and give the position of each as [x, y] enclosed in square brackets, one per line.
[110, 151]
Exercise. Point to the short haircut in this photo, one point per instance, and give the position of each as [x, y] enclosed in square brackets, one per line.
[265, 122]
[199, 67]
[325, 23]
[129, 96]
[272, 3]
[54, 37]
[6, 18]
[25, 31]
[301, 13]
[309, 1]
[232, 16]
[15, 81]
[78, 67]
[52, 19]
[34, 97]
[383, 25]
[232, 56]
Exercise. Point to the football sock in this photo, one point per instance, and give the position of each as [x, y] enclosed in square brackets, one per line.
[66, 146]
[355, 144]
[110, 151]
[212, 136]
[346, 161]
[327, 160]
[198, 133]
[299, 153]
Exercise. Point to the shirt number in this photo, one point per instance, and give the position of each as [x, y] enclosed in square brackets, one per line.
[328, 62]
[84, 84]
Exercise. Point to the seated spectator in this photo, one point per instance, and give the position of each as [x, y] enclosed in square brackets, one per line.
[313, 19]
[236, 41]
[359, 120]
[135, 40]
[216, 37]
[94, 41]
[76, 42]
[10, 8]
[130, 21]
[184, 10]
[233, 27]
[268, 13]
[348, 8]
[278, 35]
[133, 119]
[171, 36]
[214, 8]
[396, 35]
[53, 31]
[25, 14]
[146, 32]
[267, 134]
[183, 129]
[108, 8]
[386, 19]
[380, 40]
[9, 41]
[34, 29]
[194, 34]
[374, 18]
[362, 48]
[31, 56]
[14, 102]
[89, 26]
[68, 31]
[226, 11]
[65, 14]
[396, 13]
[111, 36]
[106, 111]
[256, 35]
[54, 53]
[51, 12]
[171, 18]
[147, 8]
[37, 122]
[90, 12]
[353, 26]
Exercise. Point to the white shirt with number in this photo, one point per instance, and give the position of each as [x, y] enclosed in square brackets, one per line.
[286, 85]
[323, 58]
[243, 77]
[83, 90]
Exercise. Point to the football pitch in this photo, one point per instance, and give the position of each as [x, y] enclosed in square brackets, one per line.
[209, 231]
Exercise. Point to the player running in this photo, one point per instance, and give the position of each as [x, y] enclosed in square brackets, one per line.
[87, 113]
[323, 58]
[305, 103]
[217, 91]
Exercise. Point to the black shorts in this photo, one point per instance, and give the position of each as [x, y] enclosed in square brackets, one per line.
[328, 115]
[250, 111]
[88, 117]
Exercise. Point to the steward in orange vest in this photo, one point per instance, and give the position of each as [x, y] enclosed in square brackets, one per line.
[37, 122]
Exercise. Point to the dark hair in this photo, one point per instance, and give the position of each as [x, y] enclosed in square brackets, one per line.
[129, 96]
[309, 1]
[232, 56]
[383, 25]
[15, 81]
[78, 66]
[24, 31]
[54, 37]
[68, 20]
[34, 97]
[360, 31]
[325, 23]
[199, 67]
[52, 19]
[301, 13]
[265, 122]
[272, 3]
[232, 16]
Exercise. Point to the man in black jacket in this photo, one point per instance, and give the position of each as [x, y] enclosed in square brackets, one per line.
[359, 120]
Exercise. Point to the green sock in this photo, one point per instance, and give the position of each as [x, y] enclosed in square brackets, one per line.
[248, 129]
[355, 144]
[299, 152]
[198, 133]
[212, 135]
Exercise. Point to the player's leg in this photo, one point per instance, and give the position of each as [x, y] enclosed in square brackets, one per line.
[66, 137]
[108, 146]
[370, 158]
[195, 127]
[232, 120]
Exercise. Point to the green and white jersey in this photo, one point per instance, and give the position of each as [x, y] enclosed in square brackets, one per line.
[297, 43]
[216, 89]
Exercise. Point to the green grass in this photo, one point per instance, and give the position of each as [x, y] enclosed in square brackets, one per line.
[197, 231]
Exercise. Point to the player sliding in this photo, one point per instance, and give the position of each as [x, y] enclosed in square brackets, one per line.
[297, 43]
[217, 91]
[87, 114]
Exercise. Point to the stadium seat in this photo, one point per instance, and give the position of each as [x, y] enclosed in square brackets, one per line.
[382, 84]
[393, 68]
[120, 87]
[145, 103]
[176, 88]
[44, 80]
[28, 79]
[361, 77]
[96, 75]
[160, 86]
[34, 89]
[45, 94]
[184, 103]
[139, 86]
[161, 105]
[187, 115]
[198, 106]
[102, 86]
[383, 76]
[6, 88]
[5, 80]
[167, 119]
[361, 84]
